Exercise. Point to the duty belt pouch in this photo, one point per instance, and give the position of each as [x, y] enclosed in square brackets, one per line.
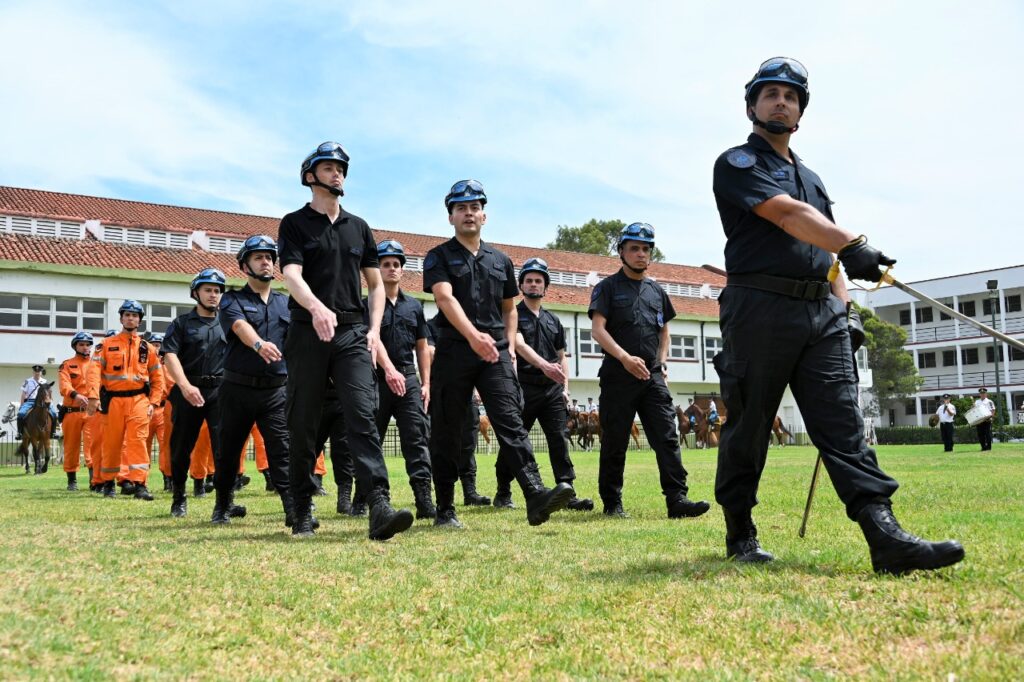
[104, 400]
[61, 411]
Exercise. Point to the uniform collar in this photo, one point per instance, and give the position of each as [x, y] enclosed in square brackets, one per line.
[755, 140]
[398, 299]
[455, 245]
[312, 214]
[194, 315]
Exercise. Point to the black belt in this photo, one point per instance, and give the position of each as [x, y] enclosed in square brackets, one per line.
[274, 381]
[404, 369]
[803, 289]
[453, 333]
[534, 379]
[208, 381]
[127, 394]
[71, 410]
[348, 318]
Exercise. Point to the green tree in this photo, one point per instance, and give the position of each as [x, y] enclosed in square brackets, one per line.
[598, 237]
[894, 375]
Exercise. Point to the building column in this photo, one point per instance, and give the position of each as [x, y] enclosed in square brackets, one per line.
[917, 406]
[959, 365]
[956, 321]
[913, 325]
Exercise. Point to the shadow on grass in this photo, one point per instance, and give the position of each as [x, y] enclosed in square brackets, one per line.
[706, 567]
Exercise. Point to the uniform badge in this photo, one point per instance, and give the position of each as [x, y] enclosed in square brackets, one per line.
[780, 174]
[430, 261]
[740, 158]
[661, 320]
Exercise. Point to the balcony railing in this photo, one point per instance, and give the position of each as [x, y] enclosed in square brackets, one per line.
[971, 380]
[947, 332]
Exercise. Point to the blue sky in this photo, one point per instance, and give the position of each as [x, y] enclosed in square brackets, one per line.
[565, 111]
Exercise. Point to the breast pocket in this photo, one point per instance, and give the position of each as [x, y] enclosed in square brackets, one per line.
[115, 361]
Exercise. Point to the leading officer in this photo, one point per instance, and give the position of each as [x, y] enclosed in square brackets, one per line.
[783, 324]
[474, 287]
[323, 251]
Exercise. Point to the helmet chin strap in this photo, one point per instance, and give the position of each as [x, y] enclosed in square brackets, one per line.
[85, 354]
[533, 295]
[333, 190]
[774, 127]
[262, 278]
[638, 271]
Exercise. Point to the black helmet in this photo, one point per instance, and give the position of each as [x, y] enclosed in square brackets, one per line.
[463, 191]
[535, 265]
[208, 276]
[636, 232]
[328, 151]
[780, 70]
[391, 247]
[254, 244]
[131, 306]
[81, 336]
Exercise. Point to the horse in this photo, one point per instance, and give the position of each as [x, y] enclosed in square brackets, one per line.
[36, 432]
[8, 417]
[595, 430]
[699, 427]
[572, 427]
[485, 431]
[778, 428]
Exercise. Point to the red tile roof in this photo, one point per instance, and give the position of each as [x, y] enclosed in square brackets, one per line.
[90, 252]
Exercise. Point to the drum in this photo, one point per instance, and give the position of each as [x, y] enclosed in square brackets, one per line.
[977, 414]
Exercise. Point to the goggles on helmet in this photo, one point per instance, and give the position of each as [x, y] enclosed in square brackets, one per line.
[257, 243]
[538, 265]
[327, 151]
[393, 248]
[638, 232]
[466, 190]
[781, 70]
[209, 276]
[130, 306]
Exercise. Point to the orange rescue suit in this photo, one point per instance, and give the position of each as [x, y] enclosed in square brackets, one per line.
[76, 427]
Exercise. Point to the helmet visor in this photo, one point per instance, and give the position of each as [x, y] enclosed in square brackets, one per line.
[775, 67]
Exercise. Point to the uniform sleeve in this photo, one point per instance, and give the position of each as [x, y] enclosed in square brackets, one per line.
[511, 287]
[230, 312]
[64, 377]
[93, 375]
[599, 300]
[670, 311]
[422, 331]
[369, 259]
[744, 187]
[173, 338]
[289, 242]
[434, 270]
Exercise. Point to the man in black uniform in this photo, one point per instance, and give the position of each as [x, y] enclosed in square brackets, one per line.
[403, 333]
[255, 322]
[193, 352]
[782, 323]
[630, 316]
[324, 249]
[474, 287]
[543, 373]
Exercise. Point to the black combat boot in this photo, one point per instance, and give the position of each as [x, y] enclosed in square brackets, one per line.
[386, 521]
[446, 517]
[198, 487]
[108, 489]
[142, 493]
[72, 481]
[302, 527]
[241, 480]
[167, 484]
[208, 485]
[91, 485]
[682, 507]
[179, 505]
[319, 485]
[741, 539]
[127, 488]
[359, 502]
[614, 508]
[425, 508]
[578, 503]
[344, 496]
[289, 511]
[894, 550]
[268, 482]
[503, 495]
[541, 502]
[470, 497]
[220, 508]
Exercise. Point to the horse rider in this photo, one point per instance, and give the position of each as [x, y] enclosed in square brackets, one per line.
[28, 397]
[126, 379]
[75, 425]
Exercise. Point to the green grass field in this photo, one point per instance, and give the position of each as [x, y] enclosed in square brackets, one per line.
[94, 589]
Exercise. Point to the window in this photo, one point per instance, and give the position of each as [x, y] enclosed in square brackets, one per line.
[905, 318]
[160, 315]
[1013, 303]
[923, 315]
[51, 313]
[862, 359]
[943, 316]
[930, 405]
[925, 360]
[712, 347]
[968, 308]
[970, 356]
[986, 306]
[949, 358]
[682, 347]
[1016, 354]
[587, 344]
[989, 354]
[910, 408]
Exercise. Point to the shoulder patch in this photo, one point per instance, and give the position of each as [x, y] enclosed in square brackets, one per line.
[740, 158]
[430, 261]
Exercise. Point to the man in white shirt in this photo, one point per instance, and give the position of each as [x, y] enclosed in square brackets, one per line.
[985, 428]
[946, 412]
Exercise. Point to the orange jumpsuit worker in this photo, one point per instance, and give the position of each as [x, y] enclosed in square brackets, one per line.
[95, 455]
[73, 381]
[128, 372]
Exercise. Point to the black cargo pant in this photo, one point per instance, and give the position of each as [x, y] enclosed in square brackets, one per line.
[470, 437]
[346, 359]
[240, 408]
[771, 341]
[623, 396]
[187, 421]
[412, 424]
[947, 430]
[985, 435]
[332, 426]
[456, 371]
[544, 402]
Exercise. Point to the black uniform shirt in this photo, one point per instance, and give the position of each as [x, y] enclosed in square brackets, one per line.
[748, 175]
[402, 325]
[433, 329]
[543, 333]
[331, 256]
[198, 342]
[270, 320]
[479, 283]
[635, 313]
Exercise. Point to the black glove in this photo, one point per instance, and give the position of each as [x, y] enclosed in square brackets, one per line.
[861, 261]
[856, 328]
